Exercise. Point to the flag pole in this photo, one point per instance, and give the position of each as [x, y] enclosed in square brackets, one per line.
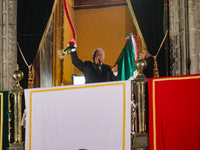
[121, 53]
[122, 50]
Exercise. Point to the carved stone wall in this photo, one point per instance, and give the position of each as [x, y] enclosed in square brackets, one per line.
[1, 45]
[184, 25]
[8, 39]
[194, 35]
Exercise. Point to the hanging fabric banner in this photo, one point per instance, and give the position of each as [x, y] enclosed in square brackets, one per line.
[4, 119]
[174, 114]
[126, 63]
[79, 117]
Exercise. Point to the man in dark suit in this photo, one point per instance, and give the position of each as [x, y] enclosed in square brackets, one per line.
[95, 71]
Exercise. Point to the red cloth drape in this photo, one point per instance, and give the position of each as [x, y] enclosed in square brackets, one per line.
[174, 113]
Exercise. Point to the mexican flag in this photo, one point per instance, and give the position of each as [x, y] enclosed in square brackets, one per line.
[126, 64]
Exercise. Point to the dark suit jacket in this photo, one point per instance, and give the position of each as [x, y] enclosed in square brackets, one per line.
[91, 70]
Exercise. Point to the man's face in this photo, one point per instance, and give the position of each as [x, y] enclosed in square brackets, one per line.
[99, 57]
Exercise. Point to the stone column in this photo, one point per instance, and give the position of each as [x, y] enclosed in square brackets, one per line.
[174, 37]
[8, 40]
[194, 32]
[178, 37]
[184, 25]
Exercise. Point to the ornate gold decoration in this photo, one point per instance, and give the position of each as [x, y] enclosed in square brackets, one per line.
[17, 92]
[140, 81]
[30, 77]
[133, 109]
[141, 65]
[155, 70]
[9, 119]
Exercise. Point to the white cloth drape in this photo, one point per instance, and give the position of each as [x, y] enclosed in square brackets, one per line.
[91, 116]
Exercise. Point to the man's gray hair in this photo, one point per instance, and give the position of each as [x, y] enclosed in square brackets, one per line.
[96, 50]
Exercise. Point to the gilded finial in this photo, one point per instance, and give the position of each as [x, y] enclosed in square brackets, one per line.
[18, 74]
[17, 66]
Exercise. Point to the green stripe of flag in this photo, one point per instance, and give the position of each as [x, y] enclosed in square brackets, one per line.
[126, 64]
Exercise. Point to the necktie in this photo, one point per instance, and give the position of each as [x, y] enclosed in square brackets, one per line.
[99, 66]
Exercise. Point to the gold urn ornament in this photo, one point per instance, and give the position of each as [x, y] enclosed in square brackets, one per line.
[18, 75]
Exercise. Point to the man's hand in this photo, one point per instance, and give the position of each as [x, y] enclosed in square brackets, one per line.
[73, 45]
[114, 69]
